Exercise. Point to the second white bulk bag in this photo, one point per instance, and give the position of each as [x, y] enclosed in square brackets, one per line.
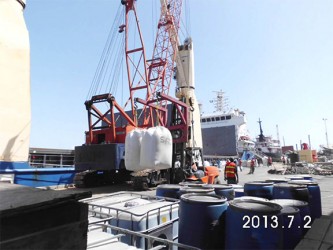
[156, 149]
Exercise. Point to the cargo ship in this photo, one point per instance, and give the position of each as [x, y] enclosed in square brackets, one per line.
[267, 145]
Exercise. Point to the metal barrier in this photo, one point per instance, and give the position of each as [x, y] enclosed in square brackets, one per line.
[135, 235]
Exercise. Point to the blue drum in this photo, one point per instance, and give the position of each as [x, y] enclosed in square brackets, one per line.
[314, 197]
[168, 190]
[299, 182]
[259, 189]
[307, 177]
[303, 209]
[239, 192]
[253, 198]
[296, 177]
[236, 186]
[223, 190]
[191, 183]
[292, 227]
[252, 224]
[277, 180]
[290, 191]
[196, 190]
[197, 214]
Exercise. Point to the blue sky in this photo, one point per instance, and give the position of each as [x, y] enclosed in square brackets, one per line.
[273, 58]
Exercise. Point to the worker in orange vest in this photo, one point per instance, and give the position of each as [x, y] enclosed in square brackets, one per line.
[230, 172]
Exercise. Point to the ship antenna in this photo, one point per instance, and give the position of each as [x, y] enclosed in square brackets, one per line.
[277, 132]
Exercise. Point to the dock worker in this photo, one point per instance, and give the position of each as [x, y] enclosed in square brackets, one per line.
[252, 165]
[270, 161]
[230, 172]
[197, 172]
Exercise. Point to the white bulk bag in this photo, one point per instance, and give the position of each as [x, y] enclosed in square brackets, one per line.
[132, 149]
[156, 149]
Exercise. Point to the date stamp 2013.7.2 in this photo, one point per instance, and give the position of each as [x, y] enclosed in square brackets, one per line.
[273, 221]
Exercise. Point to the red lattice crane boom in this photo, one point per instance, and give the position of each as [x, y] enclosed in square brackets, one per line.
[149, 81]
[161, 69]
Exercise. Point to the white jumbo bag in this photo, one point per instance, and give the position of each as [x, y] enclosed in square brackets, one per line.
[156, 149]
[132, 149]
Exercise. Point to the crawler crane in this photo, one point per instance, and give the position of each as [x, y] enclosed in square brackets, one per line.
[101, 158]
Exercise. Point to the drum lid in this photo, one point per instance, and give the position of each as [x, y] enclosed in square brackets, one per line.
[256, 206]
[203, 198]
[290, 202]
[259, 183]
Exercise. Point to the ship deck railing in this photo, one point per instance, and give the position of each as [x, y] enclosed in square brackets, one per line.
[49, 165]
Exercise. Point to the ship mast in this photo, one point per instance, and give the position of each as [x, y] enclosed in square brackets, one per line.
[220, 102]
[261, 135]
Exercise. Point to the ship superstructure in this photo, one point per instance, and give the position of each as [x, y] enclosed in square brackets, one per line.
[225, 131]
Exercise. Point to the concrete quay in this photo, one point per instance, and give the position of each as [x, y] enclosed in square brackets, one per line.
[260, 174]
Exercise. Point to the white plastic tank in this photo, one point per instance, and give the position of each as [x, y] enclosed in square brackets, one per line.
[152, 215]
[99, 240]
[14, 83]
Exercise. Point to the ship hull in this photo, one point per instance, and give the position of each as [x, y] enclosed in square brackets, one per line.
[45, 177]
[219, 141]
[22, 173]
[222, 133]
[274, 153]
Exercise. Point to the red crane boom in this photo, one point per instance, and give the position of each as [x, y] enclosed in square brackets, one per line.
[149, 81]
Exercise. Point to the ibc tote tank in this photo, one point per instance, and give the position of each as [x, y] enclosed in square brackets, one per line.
[14, 83]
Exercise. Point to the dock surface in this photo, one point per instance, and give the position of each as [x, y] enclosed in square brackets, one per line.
[320, 236]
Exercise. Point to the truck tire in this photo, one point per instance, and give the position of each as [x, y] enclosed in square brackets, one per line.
[140, 183]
